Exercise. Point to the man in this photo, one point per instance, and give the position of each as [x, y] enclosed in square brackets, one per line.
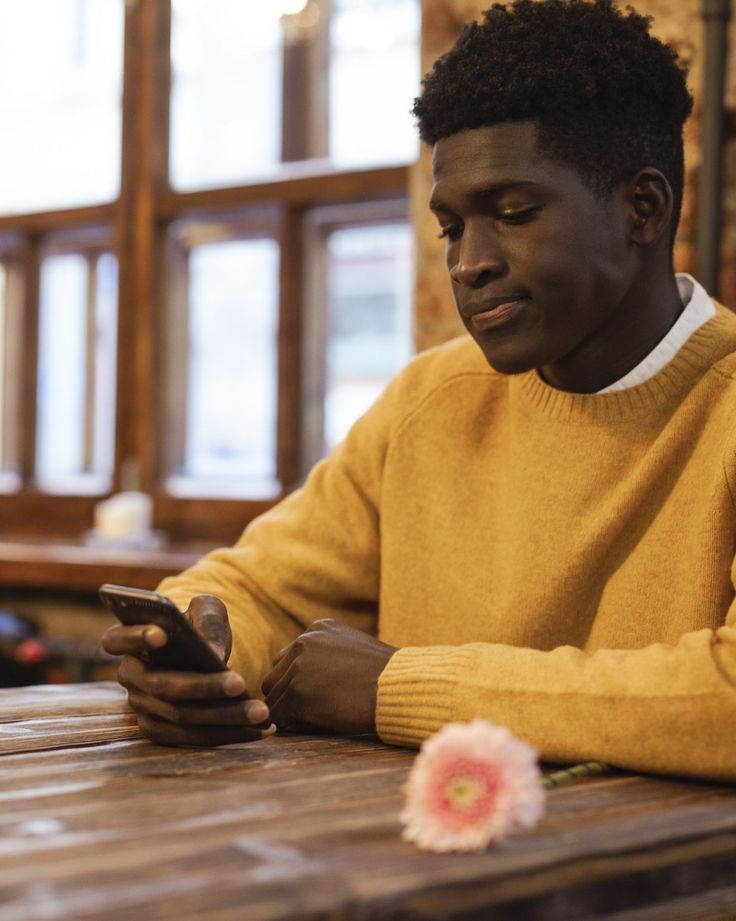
[536, 524]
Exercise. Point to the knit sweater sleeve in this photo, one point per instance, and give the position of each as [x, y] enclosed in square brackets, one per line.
[314, 555]
[664, 708]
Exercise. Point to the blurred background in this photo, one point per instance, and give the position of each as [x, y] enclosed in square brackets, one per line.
[214, 253]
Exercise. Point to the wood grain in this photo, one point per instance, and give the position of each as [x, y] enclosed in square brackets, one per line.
[59, 716]
[50, 700]
[312, 182]
[39, 222]
[308, 827]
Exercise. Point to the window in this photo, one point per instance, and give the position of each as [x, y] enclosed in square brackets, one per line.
[358, 330]
[60, 102]
[223, 366]
[76, 371]
[205, 256]
[226, 81]
[372, 80]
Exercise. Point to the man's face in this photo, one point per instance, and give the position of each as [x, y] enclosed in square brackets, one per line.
[538, 263]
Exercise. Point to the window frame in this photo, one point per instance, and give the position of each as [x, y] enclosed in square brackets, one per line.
[11, 362]
[138, 223]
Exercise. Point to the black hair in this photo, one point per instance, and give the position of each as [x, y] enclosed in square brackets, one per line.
[608, 98]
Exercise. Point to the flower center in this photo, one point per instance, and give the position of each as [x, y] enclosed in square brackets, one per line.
[464, 792]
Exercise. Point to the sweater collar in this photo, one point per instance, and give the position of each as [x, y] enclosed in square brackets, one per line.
[707, 345]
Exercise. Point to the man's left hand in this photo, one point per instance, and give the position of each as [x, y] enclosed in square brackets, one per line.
[327, 679]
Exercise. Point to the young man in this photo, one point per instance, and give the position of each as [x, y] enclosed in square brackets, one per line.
[536, 524]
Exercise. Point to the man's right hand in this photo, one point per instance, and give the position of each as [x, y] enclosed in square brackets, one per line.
[187, 708]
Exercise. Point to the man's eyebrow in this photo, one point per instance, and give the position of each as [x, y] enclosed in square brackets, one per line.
[490, 191]
[484, 193]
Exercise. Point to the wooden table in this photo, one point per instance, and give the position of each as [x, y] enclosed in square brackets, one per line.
[97, 823]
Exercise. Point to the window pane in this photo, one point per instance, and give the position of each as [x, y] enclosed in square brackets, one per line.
[231, 404]
[60, 93]
[369, 324]
[76, 374]
[105, 364]
[374, 76]
[226, 91]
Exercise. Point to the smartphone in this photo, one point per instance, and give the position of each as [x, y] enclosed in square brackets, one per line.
[186, 650]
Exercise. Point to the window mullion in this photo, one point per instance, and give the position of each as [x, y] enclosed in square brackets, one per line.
[289, 347]
[318, 80]
[144, 158]
[295, 102]
[174, 336]
[305, 91]
[304, 135]
[12, 369]
[31, 262]
[314, 348]
[90, 352]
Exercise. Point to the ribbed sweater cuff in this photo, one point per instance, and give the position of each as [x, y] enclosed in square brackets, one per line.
[416, 692]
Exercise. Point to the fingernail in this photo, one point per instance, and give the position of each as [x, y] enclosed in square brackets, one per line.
[270, 731]
[233, 684]
[257, 712]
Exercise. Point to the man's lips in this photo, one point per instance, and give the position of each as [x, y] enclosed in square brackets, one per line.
[495, 312]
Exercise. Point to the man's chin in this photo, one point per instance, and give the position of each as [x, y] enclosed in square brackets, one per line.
[509, 361]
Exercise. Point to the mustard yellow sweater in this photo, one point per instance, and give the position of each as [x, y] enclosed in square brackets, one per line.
[562, 564]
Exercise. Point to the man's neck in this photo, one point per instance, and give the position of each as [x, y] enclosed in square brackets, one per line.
[622, 342]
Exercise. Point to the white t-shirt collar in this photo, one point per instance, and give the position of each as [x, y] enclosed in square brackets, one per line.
[699, 308]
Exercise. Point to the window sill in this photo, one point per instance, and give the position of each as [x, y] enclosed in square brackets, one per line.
[69, 566]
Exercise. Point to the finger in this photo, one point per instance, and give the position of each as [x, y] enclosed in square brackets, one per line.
[209, 615]
[281, 665]
[279, 701]
[170, 685]
[164, 733]
[249, 713]
[280, 655]
[134, 641]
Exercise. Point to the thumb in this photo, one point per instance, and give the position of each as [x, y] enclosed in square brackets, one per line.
[209, 615]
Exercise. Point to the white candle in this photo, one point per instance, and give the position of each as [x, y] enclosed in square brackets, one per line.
[124, 516]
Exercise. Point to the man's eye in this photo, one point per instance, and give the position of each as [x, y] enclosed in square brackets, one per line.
[452, 232]
[518, 217]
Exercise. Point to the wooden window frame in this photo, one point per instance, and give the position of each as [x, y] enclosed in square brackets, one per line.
[139, 221]
[11, 364]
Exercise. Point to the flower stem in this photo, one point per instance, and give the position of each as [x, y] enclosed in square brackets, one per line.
[589, 769]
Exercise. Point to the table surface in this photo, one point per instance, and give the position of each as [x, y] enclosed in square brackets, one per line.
[96, 822]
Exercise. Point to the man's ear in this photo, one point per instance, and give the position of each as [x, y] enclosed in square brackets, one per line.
[650, 202]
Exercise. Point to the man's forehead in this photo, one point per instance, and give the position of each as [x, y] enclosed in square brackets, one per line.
[509, 148]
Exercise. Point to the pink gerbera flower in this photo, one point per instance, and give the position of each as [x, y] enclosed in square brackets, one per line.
[471, 783]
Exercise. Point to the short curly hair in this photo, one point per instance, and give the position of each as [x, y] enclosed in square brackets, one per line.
[608, 97]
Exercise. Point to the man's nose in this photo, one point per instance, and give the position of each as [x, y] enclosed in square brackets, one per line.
[479, 260]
